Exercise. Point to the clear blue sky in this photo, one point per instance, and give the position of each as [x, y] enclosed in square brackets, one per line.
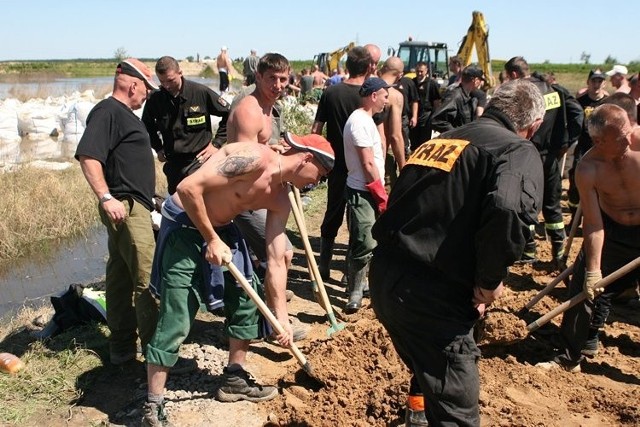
[558, 31]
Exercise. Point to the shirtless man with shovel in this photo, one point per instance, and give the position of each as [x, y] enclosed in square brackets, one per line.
[607, 180]
[238, 177]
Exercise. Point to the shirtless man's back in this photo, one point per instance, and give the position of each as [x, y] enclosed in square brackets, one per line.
[245, 177]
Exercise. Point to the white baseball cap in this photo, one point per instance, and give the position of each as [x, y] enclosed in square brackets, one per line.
[617, 69]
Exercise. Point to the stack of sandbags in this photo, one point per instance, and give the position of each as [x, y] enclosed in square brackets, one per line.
[39, 125]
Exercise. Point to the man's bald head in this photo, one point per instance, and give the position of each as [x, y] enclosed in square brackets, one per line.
[374, 51]
[393, 64]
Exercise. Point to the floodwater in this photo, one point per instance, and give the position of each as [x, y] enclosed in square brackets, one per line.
[30, 281]
[39, 87]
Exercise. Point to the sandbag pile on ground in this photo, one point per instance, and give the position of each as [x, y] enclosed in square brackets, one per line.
[43, 129]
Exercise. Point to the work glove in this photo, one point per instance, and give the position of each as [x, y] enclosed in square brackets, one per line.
[591, 279]
[379, 195]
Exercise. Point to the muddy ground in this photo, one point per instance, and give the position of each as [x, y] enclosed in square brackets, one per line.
[366, 384]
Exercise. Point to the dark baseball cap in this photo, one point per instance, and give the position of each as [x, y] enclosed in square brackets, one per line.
[136, 68]
[597, 74]
[373, 84]
[472, 71]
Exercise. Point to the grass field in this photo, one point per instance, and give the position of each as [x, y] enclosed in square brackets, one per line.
[573, 76]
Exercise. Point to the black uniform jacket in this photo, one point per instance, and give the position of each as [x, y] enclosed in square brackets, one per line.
[184, 122]
[462, 203]
[458, 108]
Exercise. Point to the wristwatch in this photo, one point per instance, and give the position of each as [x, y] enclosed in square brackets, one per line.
[106, 197]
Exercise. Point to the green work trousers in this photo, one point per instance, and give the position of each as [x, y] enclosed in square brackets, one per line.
[361, 214]
[131, 308]
[182, 285]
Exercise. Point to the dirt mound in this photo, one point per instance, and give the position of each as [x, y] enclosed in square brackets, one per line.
[364, 380]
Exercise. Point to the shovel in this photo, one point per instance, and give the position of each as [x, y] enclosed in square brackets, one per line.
[267, 314]
[313, 267]
[549, 287]
[314, 281]
[603, 283]
[574, 228]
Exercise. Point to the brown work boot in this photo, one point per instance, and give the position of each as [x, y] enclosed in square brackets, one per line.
[240, 385]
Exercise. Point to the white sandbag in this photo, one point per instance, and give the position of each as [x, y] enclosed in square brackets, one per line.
[39, 148]
[37, 120]
[9, 122]
[9, 152]
[83, 108]
[72, 124]
[68, 148]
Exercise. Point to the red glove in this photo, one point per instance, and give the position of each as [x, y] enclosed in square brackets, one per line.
[379, 195]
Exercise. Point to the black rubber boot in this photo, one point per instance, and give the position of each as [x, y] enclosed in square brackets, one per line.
[326, 253]
[357, 281]
[559, 257]
[590, 348]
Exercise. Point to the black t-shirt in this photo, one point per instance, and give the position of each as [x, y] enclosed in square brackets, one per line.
[481, 96]
[409, 93]
[428, 92]
[588, 104]
[116, 137]
[336, 105]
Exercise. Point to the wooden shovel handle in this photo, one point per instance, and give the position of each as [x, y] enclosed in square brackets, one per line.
[244, 283]
[603, 283]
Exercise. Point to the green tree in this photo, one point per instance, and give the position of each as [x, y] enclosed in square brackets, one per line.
[610, 60]
[120, 53]
[189, 58]
[585, 57]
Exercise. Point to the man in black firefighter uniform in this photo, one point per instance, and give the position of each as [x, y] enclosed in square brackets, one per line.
[459, 106]
[457, 218]
[561, 126]
[178, 119]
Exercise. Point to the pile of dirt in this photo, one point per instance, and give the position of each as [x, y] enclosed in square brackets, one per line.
[363, 379]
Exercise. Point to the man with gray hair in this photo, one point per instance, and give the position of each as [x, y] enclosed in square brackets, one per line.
[455, 222]
[607, 180]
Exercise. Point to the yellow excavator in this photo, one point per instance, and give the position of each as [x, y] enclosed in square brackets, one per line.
[478, 36]
[329, 61]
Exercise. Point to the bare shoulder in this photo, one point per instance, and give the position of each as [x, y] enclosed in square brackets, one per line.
[246, 120]
[396, 96]
[248, 105]
[587, 166]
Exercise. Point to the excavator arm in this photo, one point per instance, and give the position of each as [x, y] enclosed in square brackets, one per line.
[329, 61]
[478, 36]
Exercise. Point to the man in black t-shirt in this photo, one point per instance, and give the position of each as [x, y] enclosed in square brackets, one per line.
[336, 105]
[117, 162]
[429, 101]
